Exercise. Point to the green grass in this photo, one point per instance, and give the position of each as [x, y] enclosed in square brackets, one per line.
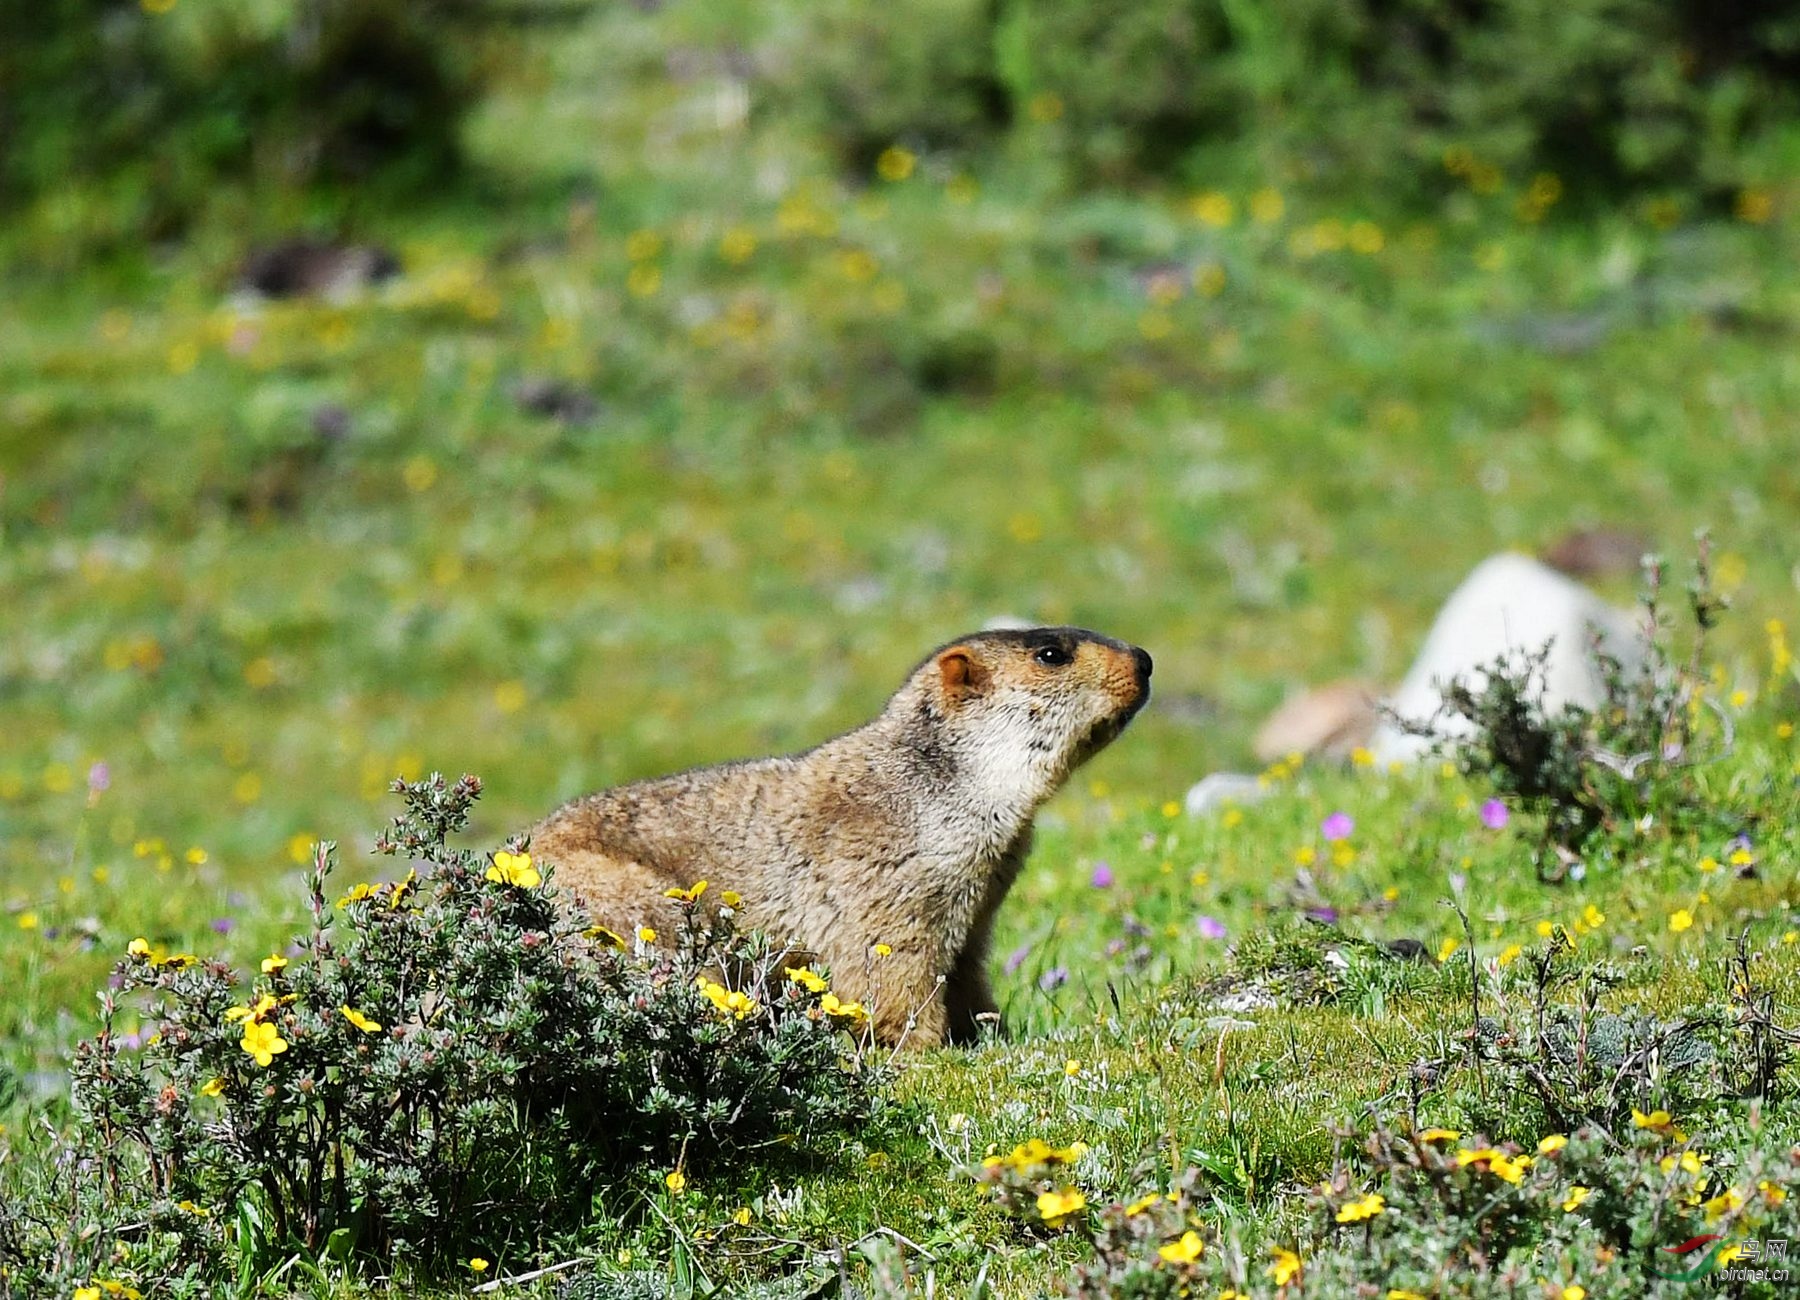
[909, 409]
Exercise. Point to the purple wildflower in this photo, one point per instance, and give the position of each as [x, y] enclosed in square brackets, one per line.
[99, 777]
[1337, 826]
[223, 924]
[1494, 814]
[1054, 978]
[1103, 875]
[1016, 958]
[1324, 913]
[1210, 927]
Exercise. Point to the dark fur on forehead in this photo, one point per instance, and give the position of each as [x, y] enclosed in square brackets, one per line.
[1025, 638]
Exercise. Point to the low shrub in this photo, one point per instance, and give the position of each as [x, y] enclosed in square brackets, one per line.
[1577, 770]
[444, 1065]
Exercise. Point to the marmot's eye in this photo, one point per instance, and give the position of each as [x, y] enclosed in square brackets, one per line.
[1051, 656]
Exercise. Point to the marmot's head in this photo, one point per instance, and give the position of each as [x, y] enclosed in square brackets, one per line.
[1018, 710]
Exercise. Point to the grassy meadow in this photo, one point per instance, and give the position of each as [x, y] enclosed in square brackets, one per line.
[256, 560]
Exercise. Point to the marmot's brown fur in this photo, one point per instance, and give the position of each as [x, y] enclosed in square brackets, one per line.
[906, 832]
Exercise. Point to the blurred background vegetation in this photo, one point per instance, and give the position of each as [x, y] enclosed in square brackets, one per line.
[571, 391]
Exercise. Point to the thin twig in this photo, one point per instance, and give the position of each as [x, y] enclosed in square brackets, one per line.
[519, 1279]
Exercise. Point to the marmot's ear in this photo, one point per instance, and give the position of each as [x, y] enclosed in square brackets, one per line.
[962, 674]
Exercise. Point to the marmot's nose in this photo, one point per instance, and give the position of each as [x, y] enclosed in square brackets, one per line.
[1143, 662]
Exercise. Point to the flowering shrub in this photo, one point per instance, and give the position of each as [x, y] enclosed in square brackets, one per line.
[1582, 770]
[440, 1059]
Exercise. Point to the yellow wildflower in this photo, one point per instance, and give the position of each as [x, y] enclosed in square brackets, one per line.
[1773, 1194]
[514, 869]
[1439, 1134]
[212, 1087]
[361, 1021]
[1509, 1168]
[646, 935]
[675, 1181]
[1056, 1208]
[806, 978]
[732, 1002]
[1689, 1161]
[1363, 1207]
[357, 894]
[1724, 1203]
[1577, 1194]
[851, 1011]
[478, 1265]
[1574, 1293]
[1287, 1266]
[882, 950]
[601, 932]
[1071, 1067]
[1680, 919]
[687, 895]
[1185, 1251]
[264, 1042]
[731, 898]
[1552, 1144]
[273, 962]
[1142, 1203]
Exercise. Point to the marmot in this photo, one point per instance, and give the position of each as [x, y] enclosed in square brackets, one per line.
[906, 832]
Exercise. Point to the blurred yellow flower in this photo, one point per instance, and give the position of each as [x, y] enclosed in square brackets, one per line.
[1680, 919]
[478, 1265]
[642, 245]
[1287, 1266]
[675, 1181]
[687, 895]
[1057, 1208]
[1266, 206]
[644, 281]
[1577, 1194]
[1184, 1251]
[1363, 1207]
[1552, 1144]
[1213, 209]
[895, 163]
[273, 962]
[510, 696]
[646, 935]
[361, 1021]
[737, 245]
[213, 1087]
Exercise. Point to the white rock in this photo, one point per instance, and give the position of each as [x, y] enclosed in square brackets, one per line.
[1509, 604]
[1211, 793]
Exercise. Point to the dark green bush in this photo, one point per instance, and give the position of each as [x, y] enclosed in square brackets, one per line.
[444, 1065]
[167, 96]
[1604, 96]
